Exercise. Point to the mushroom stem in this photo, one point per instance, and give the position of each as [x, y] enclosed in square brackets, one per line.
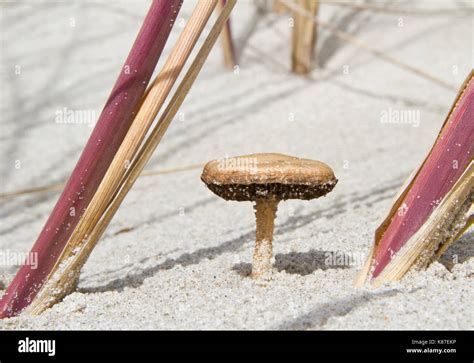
[265, 211]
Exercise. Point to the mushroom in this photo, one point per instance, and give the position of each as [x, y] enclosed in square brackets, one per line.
[266, 179]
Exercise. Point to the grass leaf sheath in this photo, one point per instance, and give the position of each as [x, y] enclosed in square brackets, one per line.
[432, 209]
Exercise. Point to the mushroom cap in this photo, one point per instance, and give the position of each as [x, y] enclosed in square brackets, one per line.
[263, 176]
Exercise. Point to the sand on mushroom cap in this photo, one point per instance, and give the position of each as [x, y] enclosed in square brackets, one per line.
[254, 176]
[267, 179]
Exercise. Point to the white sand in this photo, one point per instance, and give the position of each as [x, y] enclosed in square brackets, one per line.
[183, 264]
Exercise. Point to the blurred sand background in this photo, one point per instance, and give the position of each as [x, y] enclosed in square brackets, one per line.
[176, 256]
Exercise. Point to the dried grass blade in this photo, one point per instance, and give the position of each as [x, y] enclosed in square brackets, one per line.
[157, 134]
[226, 40]
[304, 37]
[74, 256]
[59, 186]
[278, 7]
[363, 45]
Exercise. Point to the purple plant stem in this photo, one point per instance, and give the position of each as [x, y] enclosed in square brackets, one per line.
[112, 126]
[454, 146]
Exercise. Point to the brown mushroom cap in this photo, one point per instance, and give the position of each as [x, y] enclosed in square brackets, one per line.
[256, 176]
